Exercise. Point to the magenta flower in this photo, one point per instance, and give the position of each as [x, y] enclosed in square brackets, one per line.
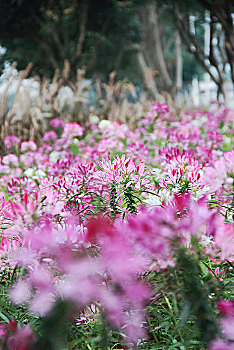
[72, 130]
[22, 339]
[15, 337]
[28, 146]
[49, 136]
[122, 169]
[226, 307]
[158, 108]
[11, 141]
[227, 327]
[57, 123]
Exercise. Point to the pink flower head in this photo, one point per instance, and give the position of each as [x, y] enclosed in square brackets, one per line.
[226, 307]
[22, 339]
[10, 159]
[3, 331]
[57, 123]
[14, 337]
[119, 169]
[106, 145]
[158, 108]
[11, 141]
[220, 345]
[28, 146]
[50, 136]
[182, 201]
[72, 130]
[227, 327]
[229, 162]
[98, 228]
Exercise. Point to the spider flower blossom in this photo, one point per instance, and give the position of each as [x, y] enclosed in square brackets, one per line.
[122, 169]
[28, 146]
[49, 251]
[158, 108]
[222, 172]
[11, 141]
[11, 159]
[115, 130]
[57, 123]
[227, 327]
[15, 337]
[72, 130]
[49, 136]
[183, 172]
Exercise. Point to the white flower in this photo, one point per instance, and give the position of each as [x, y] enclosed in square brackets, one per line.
[162, 196]
[157, 173]
[227, 140]
[54, 156]
[75, 141]
[29, 172]
[153, 200]
[199, 193]
[103, 124]
[39, 173]
[94, 119]
[34, 173]
[229, 180]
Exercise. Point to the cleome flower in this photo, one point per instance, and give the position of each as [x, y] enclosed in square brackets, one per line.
[124, 169]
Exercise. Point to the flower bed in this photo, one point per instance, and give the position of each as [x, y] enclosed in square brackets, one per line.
[114, 238]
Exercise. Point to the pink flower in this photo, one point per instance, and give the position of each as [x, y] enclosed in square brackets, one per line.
[72, 130]
[227, 325]
[226, 307]
[224, 239]
[28, 146]
[11, 141]
[220, 345]
[57, 123]
[121, 169]
[10, 159]
[106, 145]
[15, 337]
[221, 172]
[158, 108]
[88, 315]
[23, 339]
[49, 136]
[3, 331]
[115, 131]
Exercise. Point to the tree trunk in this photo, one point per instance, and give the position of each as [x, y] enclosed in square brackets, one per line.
[179, 61]
[151, 55]
[148, 77]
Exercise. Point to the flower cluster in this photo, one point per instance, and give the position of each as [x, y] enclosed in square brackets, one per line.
[90, 214]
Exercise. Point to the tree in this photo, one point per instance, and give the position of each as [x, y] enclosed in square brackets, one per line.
[160, 50]
[221, 11]
[85, 33]
[214, 17]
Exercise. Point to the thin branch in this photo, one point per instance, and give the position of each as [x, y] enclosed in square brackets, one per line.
[83, 24]
[198, 52]
[217, 9]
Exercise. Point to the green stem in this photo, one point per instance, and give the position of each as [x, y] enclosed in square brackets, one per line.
[150, 193]
[152, 332]
[171, 313]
